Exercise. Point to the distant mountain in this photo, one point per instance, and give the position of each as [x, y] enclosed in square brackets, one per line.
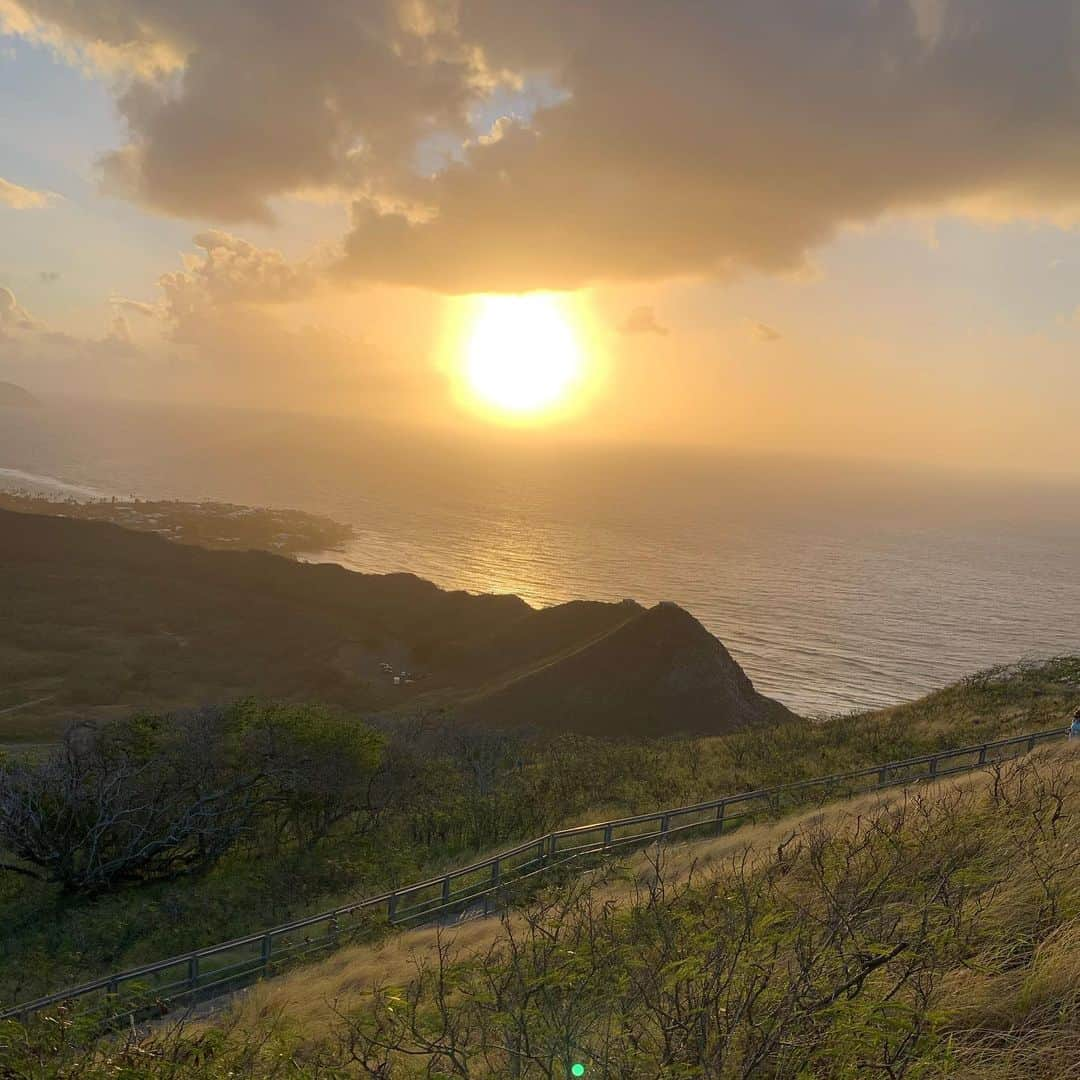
[15, 397]
[99, 618]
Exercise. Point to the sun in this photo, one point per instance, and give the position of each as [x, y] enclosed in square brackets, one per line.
[522, 357]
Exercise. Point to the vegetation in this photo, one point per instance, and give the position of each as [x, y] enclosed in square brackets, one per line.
[156, 796]
[333, 809]
[932, 933]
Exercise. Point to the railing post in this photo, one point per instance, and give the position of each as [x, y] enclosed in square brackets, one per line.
[267, 947]
[665, 824]
[883, 776]
[608, 836]
[391, 907]
[933, 766]
[446, 889]
[332, 931]
[1031, 744]
[982, 754]
[540, 850]
[496, 872]
[552, 841]
[193, 971]
[720, 819]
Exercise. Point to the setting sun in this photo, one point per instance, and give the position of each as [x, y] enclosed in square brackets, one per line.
[522, 356]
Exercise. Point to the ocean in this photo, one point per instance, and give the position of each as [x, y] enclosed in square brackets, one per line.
[836, 587]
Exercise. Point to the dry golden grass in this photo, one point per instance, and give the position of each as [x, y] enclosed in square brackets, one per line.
[308, 1000]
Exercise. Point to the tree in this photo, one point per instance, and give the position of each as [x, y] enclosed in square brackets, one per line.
[130, 800]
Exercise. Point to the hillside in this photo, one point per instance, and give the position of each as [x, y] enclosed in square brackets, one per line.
[654, 666]
[932, 933]
[102, 619]
[440, 799]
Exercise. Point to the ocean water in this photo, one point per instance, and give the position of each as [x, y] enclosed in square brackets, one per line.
[836, 587]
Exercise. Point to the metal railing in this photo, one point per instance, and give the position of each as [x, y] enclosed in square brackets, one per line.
[158, 987]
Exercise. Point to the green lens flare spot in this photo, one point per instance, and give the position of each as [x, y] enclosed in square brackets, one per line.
[577, 1069]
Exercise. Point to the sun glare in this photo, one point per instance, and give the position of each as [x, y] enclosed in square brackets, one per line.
[522, 357]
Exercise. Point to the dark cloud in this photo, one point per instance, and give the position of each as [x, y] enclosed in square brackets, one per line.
[276, 96]
[642, 320]
[689, 138]
[49, 277]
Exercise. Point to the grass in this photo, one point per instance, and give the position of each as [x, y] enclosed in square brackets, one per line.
[931, 933]
[52, 940]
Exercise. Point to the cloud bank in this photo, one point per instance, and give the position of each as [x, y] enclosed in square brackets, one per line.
[688, 138]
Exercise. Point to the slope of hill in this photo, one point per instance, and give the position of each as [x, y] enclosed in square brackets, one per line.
[105, 619]
[444, 803]
[931, 933]
[658, 671]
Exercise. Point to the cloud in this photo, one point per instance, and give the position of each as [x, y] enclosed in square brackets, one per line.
[763, 333]
[276, 100]
[135, 307]
[642, 320]
[224, 305]
[683, 138]
[49, 277]
[59, 337]
[21, 198]
[12, 314]
[228, 273]
[117, 339]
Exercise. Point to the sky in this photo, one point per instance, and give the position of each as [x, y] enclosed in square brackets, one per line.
[831, 228]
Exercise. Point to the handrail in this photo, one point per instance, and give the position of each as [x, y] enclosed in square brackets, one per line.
[546, 855]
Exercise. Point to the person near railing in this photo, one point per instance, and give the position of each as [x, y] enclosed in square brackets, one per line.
[1074, 728]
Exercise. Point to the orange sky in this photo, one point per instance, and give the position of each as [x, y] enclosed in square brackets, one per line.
[833, 229]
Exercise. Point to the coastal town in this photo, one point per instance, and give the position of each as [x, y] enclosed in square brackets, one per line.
[217, 525]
